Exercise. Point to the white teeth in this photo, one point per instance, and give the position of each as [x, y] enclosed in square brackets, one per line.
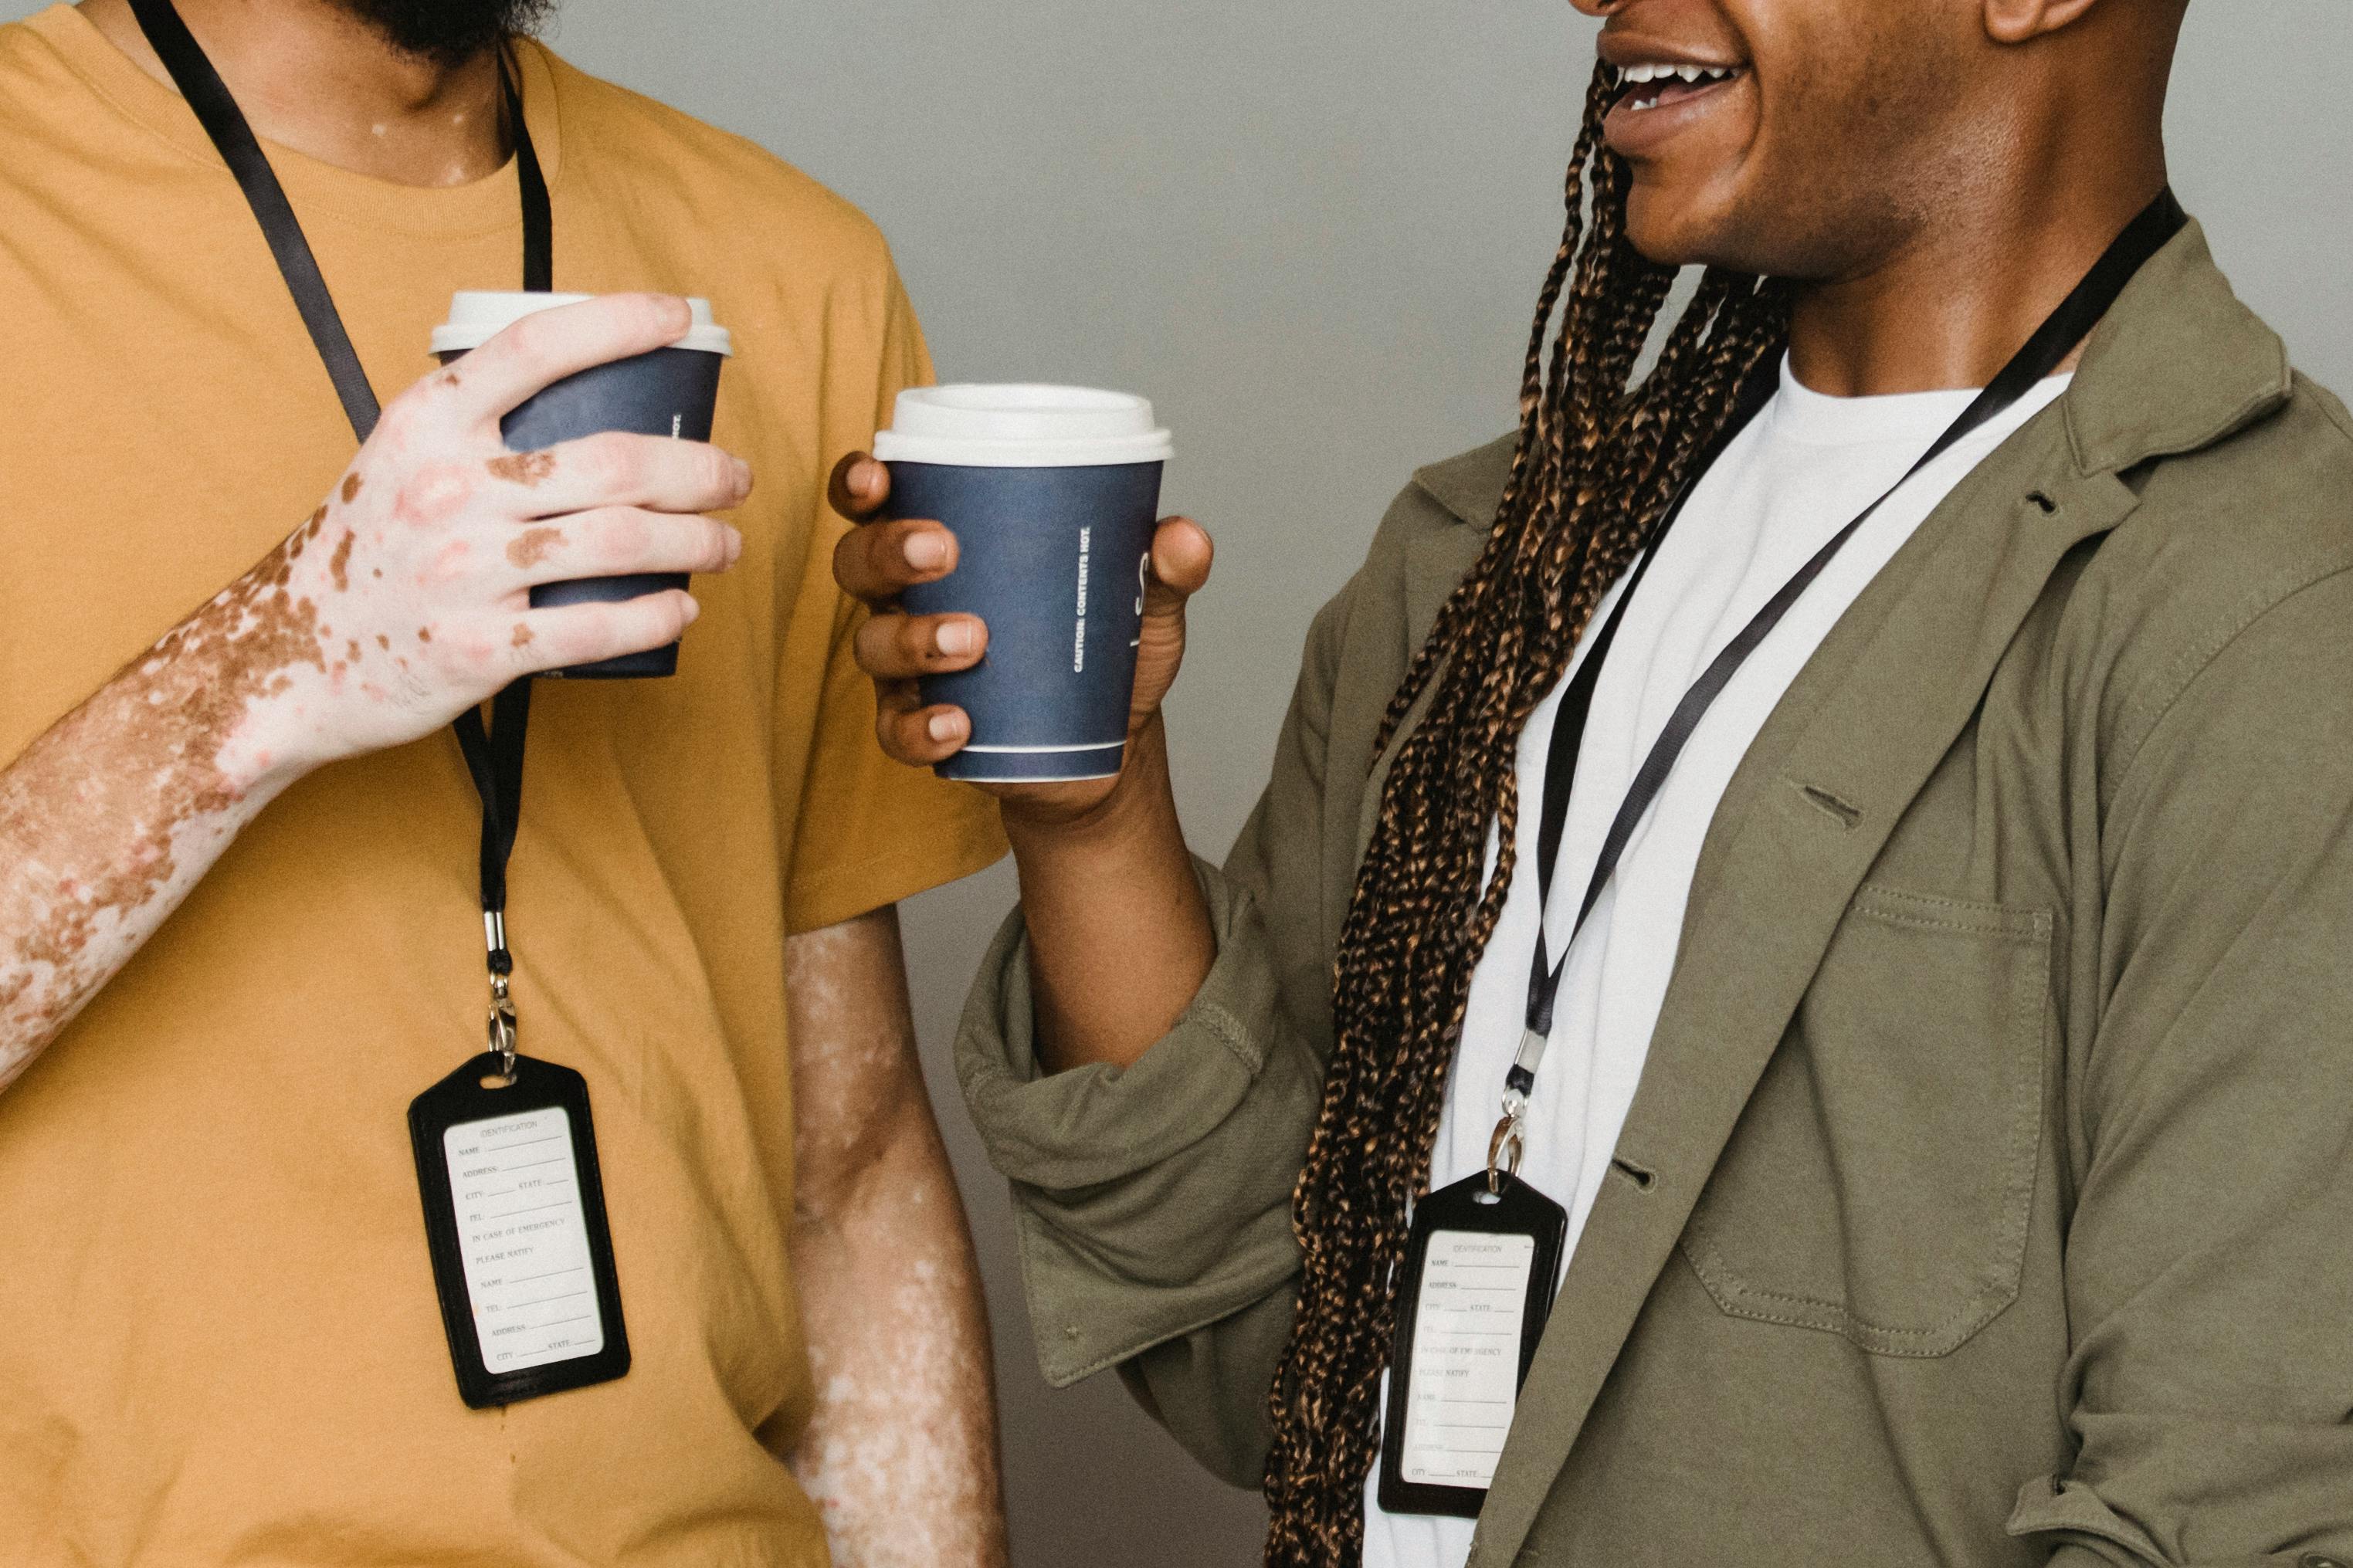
[1661, 72]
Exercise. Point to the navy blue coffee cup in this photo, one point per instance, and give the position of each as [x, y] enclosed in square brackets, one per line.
[669, 392]
[1053, 494]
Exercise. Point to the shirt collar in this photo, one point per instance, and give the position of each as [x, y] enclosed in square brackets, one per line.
[2178, 365]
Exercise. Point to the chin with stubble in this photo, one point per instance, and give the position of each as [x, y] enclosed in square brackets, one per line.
[448, 32]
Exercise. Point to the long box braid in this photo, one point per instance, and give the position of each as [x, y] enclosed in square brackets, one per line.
[1599, 460]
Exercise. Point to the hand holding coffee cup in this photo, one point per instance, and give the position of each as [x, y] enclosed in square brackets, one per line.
[1028, 614]
[413, 579]
[671, 390]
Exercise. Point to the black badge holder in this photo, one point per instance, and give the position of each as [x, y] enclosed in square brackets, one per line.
[506, 1150]
[516, 1257]
[1496, 1204]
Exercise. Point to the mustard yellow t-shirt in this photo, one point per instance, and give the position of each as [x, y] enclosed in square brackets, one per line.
[219, 1340]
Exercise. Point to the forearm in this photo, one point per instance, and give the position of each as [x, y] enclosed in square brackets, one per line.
[900, 1452]
[114, 815]
[110, 817]
[1120, 938]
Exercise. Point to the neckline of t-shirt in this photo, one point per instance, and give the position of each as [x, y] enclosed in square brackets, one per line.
[313, 185]
[1821, 420]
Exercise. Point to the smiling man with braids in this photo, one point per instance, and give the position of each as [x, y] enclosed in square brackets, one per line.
[1950, 1089]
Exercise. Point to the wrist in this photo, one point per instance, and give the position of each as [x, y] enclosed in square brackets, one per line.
[1120, 934]
[1140, 801]
[270, 748]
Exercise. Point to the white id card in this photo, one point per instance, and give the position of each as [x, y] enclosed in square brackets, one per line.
[524, 1239]
[1465, 1374]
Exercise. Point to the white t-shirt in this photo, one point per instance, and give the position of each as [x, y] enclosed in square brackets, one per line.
[1800, 471]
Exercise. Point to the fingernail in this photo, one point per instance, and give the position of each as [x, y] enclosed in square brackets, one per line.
[693, 610]
[734, 545]
[742, 478]
[946, 726]
[926, 550]
[957, 639]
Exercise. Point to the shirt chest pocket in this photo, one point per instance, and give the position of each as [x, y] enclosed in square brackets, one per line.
[1880, 1183]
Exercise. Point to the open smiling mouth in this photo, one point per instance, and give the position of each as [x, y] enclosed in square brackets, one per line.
[1663, 85]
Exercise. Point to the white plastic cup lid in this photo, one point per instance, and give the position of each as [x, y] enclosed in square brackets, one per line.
[478, 315]
[1021, 426]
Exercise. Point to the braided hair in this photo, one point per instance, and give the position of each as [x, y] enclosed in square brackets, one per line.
[1599, 460]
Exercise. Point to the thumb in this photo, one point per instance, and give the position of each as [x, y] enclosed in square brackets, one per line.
[857, 487]
[1181, 555]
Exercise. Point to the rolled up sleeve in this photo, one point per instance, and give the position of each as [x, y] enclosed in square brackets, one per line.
[1155, 1199]
[1153, 1203]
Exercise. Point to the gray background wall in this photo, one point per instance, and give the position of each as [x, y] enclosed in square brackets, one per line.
[1311, 231]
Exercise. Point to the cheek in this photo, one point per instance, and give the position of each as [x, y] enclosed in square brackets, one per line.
[1687, 196]
[1805, 181]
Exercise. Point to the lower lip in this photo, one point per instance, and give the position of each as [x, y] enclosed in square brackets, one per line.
[1639, 132]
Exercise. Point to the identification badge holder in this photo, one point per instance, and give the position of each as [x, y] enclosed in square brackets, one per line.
[1481, 1264]
[514, 1215]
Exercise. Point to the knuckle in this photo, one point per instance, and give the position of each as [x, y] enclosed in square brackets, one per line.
[914, 640]
[869, 553]
[866, 555]
[900, 734]
[715, 472]
[648, 622]
[888, 651]
[531, 340]
[621, 536]
[403, 415]
[847, 562]
[604, 631]
[647, 314]
[617, 458]
[871, 649]
[715, 544]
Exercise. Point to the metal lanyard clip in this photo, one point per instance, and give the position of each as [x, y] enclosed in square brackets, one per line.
[1504, 1147]
[502, 1026]
[502, 1013]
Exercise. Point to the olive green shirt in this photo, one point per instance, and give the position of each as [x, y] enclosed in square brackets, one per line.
[1988, 1196]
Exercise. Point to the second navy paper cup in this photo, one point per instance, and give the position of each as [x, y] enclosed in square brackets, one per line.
[669, 392]
[1053, 493]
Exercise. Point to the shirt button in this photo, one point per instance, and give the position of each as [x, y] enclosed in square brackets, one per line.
[2314, 1559]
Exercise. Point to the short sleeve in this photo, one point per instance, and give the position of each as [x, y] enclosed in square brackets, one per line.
[869, 831]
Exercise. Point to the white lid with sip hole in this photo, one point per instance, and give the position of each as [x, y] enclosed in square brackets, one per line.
[478, 315]
[1021, 426]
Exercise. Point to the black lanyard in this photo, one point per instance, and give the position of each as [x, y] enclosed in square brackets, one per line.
[494, 756]
[2042, 354]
